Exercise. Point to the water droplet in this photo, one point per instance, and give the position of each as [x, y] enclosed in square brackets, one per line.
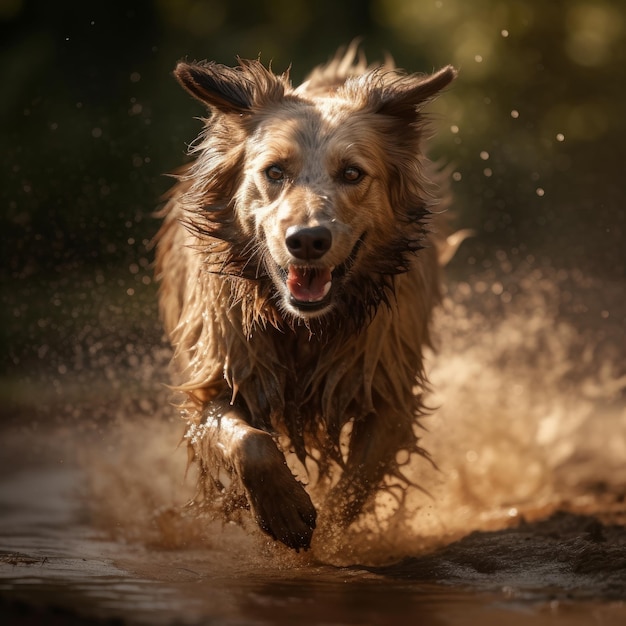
[497, 288]
[484, 155]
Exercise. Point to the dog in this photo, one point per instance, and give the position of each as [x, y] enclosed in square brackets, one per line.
[298, 271]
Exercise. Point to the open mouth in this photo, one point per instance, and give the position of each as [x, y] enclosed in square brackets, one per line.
[309, 287]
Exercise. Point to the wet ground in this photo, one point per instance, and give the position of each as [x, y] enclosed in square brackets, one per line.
[58, 567]
[524, 521]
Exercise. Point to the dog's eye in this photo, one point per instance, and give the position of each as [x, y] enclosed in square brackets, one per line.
[275, 173]
[352, 174]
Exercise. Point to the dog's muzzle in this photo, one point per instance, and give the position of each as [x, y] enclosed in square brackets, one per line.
[308, 285]
[311, 287]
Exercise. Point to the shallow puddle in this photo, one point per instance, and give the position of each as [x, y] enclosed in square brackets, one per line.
[54, 565]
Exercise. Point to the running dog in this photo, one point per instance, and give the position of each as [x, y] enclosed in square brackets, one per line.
[299, 268]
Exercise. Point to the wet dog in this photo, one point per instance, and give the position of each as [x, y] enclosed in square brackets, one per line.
[298, 274]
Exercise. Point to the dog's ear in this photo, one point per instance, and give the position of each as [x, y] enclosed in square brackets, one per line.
[216, 85]
[403, 98]
[229, 89]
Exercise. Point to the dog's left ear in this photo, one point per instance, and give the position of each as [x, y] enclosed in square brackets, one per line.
[404, 97]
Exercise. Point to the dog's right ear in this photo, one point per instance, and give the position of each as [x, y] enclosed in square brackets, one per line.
[218, 86]
[229, 89]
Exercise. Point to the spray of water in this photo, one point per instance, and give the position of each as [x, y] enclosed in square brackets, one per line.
[528, 379]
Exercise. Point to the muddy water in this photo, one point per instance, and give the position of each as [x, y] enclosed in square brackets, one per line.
[522, 521]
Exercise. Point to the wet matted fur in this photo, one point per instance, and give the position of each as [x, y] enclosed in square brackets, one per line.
[298, 274]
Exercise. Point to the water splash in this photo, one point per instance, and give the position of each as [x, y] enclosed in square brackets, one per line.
[530, 388]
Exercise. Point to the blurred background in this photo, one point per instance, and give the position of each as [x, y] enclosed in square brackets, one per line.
[92, 120]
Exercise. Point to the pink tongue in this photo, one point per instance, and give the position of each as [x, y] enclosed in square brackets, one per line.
[308, 284]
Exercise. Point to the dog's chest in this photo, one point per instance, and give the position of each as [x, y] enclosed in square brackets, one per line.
[302, 355]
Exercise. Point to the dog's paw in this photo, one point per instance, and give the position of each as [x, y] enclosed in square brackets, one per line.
[281, 506]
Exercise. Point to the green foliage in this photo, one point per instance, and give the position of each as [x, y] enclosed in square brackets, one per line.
[91, 118]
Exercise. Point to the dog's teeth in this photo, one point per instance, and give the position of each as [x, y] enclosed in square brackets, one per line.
[329, 284]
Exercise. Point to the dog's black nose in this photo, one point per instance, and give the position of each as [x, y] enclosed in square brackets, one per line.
[308, 243]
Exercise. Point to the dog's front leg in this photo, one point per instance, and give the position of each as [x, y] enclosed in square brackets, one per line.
[280, 504]
[374, 442]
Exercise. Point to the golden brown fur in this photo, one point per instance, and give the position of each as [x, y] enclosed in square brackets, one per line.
[297, 281]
